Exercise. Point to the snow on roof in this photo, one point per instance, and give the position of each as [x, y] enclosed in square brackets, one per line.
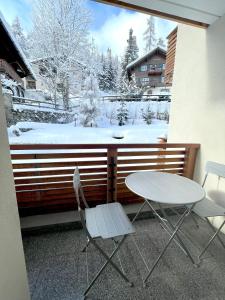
[139, 59]
[16, 44]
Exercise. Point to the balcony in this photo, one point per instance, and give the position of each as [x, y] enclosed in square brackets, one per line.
[57, 267]
[156, 71]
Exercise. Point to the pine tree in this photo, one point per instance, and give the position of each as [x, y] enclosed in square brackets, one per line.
[130, 55]
[131, 52]
[89, 107]
[108, 72]
[147, 115]
[122, 114]
[17, 31]
[161, 43]
[149, 35]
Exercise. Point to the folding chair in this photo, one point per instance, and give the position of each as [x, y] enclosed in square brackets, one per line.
[106, 221]
[210, 208]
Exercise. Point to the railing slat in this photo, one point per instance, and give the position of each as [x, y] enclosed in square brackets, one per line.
[43, 173]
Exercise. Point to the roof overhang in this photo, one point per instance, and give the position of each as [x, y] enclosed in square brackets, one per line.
[11, 51]
[201, 13]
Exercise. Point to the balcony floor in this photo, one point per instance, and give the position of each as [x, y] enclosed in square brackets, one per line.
[57, 269]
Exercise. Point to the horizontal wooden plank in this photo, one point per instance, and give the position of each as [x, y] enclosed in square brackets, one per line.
[56, 172]
[39, 165]
[57, 155]
[39, 187]
[151, 153]
[99, 146]
[150, 167]
[58, 178]
[158, 160]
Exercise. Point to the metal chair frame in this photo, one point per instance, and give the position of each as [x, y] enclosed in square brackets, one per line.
[218, 170]
[90, 240]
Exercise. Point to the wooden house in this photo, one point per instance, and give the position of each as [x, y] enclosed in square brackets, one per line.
[13, 63]
[149, 69]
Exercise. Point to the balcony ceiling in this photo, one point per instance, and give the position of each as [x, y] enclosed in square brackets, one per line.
[196, 12]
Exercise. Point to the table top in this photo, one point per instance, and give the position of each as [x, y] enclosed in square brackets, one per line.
[165, 187]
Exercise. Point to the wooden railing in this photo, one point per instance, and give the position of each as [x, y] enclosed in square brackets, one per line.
[134, 98]
[36, 103]
[43, 173]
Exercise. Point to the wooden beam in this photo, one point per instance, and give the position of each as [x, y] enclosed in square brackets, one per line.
[153, 12]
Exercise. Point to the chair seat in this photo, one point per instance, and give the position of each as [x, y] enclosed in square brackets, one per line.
[108, 221]
[208, 208]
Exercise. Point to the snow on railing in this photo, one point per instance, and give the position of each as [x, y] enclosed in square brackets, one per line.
[36, 103]
[152, 97]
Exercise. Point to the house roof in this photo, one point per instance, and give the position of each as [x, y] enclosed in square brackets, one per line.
[11, 51]
[146, 56]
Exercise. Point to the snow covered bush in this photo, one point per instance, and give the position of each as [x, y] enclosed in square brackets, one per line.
[122, 114]
[88, 109]
[8, 85]
[89, 114]
[148, 115]
[166, 116]
[14, 131]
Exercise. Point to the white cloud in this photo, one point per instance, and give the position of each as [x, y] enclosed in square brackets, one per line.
[114, 32]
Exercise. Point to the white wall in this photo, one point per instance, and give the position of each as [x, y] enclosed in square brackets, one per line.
[198, 93]
[13, 278]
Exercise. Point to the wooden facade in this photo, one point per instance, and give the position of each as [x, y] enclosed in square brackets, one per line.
[43, 173]
[13, 63]
[170, 57]
[149, 69]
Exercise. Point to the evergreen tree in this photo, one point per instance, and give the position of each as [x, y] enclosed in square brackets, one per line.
[101, 74]
[161, 43]
[149, 35]
[122, 114]
[89, 107]
[147, 115]
[19, 35]
[131, 54]
[108, 72]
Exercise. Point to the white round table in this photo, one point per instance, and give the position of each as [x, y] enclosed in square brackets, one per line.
[165, 188]
[170, 189]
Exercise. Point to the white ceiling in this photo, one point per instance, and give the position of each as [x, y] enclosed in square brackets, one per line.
[205, 11]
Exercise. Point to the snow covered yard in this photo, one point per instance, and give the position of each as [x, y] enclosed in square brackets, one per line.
[69, 134]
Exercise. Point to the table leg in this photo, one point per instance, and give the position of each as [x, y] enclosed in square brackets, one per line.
[177, 227]
[168, 229]
[178, 237]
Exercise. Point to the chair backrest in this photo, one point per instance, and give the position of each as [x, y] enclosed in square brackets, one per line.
[78, 189]
[214, 168]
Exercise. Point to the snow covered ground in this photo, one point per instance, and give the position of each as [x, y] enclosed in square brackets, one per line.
[69, 134]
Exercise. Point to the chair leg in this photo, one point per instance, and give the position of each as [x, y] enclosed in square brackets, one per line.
[85, 247]
[140, 209]
[214, 230]
[194, 220]
[210, 240]
[191, 215]
[108, 261]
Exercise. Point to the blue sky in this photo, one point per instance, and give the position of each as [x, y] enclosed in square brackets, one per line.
[109, 28]
[22, 8]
